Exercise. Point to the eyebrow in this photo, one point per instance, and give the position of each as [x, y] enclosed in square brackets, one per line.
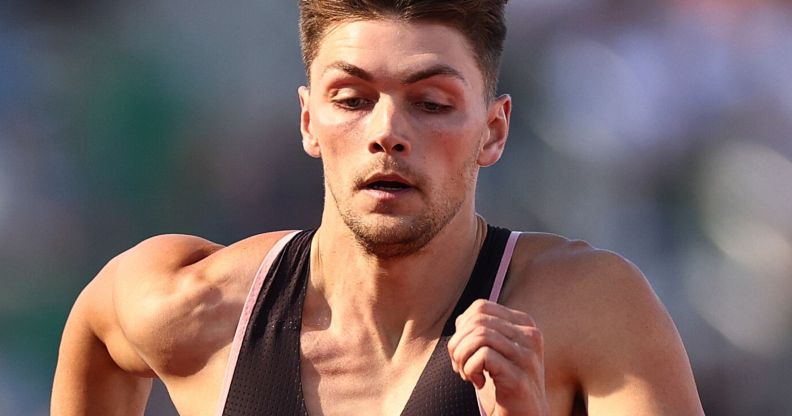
[350, 69]
[432, 71]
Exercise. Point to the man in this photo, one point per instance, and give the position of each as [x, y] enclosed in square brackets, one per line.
[376, 312]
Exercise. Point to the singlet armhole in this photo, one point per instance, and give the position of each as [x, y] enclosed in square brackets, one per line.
[497, 287]
[244, 318]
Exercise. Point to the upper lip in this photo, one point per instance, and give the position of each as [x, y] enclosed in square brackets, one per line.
[386, 177]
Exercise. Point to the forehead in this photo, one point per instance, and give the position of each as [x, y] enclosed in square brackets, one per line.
[388, 47]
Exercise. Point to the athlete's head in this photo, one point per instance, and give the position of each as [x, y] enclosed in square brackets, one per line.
[480, 21]
[400, 108]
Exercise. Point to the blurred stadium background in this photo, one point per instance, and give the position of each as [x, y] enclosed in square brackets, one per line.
[658, 129]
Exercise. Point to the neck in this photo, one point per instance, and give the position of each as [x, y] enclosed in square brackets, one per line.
[390, 298]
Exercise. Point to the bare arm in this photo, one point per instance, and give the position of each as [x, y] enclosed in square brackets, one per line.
[165, 308]
[603, 333]
[105, 362]
[633, 361]
[88, 381]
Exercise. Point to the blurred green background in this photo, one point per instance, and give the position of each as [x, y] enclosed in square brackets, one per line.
[659, 129]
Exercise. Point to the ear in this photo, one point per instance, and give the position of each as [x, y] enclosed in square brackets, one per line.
[498, 116]
[309, 142]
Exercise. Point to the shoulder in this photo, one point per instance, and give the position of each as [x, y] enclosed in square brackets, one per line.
[582, 298]
[556, 263]
[169, 264]
[571, 284]
[161, 264]
[601, 320]
[551, 266]
[174, 293]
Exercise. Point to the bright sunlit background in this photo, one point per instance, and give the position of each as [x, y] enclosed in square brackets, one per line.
[658, 129]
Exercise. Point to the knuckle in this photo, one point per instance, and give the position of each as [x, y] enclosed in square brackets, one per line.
[460, 355]
[488, 353]
[480, 331]
[525, 319]
[456, 355]
[531, 334]
[459, 320]
[536, 338]
[528, 317]
[482, 335]
[480, 305]
[480, 320]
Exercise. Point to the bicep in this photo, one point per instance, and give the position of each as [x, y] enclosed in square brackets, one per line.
[643, 378]
[636, 361]
[88, 381]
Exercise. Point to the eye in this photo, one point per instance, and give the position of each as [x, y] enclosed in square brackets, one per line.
[352, 103]
[432, 107]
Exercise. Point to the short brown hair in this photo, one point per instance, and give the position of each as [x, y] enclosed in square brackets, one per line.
[480, 21]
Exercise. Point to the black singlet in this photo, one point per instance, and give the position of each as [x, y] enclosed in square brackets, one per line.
[266, 380]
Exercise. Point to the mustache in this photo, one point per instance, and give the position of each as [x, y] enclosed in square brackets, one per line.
[388, 165]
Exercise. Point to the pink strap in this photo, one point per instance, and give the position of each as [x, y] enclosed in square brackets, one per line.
[500, 277]
[247, 309]
[504, 266]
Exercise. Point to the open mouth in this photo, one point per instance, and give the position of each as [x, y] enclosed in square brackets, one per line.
[388, 182]
[387, 186]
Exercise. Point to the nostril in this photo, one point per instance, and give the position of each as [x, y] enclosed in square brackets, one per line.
[388, 146]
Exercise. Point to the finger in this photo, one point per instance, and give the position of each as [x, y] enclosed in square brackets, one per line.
[503, 372]
[483, 337]
[478, 330]
[512, 331]
[485, 307]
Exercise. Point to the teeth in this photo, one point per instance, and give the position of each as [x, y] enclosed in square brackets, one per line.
[388, 186]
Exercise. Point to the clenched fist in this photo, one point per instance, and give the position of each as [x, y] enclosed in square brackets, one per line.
[502, 346]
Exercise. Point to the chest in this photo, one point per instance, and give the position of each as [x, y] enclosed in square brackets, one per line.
[341, 375]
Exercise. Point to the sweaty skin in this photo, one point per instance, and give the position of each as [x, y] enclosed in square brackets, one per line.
[398, 115]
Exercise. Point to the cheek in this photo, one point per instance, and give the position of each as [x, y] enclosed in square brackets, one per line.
[335, 133]
[327, 117]
[456, 140]
[337, 138]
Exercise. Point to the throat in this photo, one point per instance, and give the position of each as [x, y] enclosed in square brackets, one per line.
[388, 301]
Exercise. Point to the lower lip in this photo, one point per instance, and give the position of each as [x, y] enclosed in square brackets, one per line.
[388, 195]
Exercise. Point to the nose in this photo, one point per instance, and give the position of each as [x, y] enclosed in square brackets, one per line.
[387, 129]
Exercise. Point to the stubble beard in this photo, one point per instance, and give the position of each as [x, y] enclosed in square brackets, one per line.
[390, 236]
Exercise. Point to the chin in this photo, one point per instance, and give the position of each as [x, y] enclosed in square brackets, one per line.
[387, 236]
[391, 233]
